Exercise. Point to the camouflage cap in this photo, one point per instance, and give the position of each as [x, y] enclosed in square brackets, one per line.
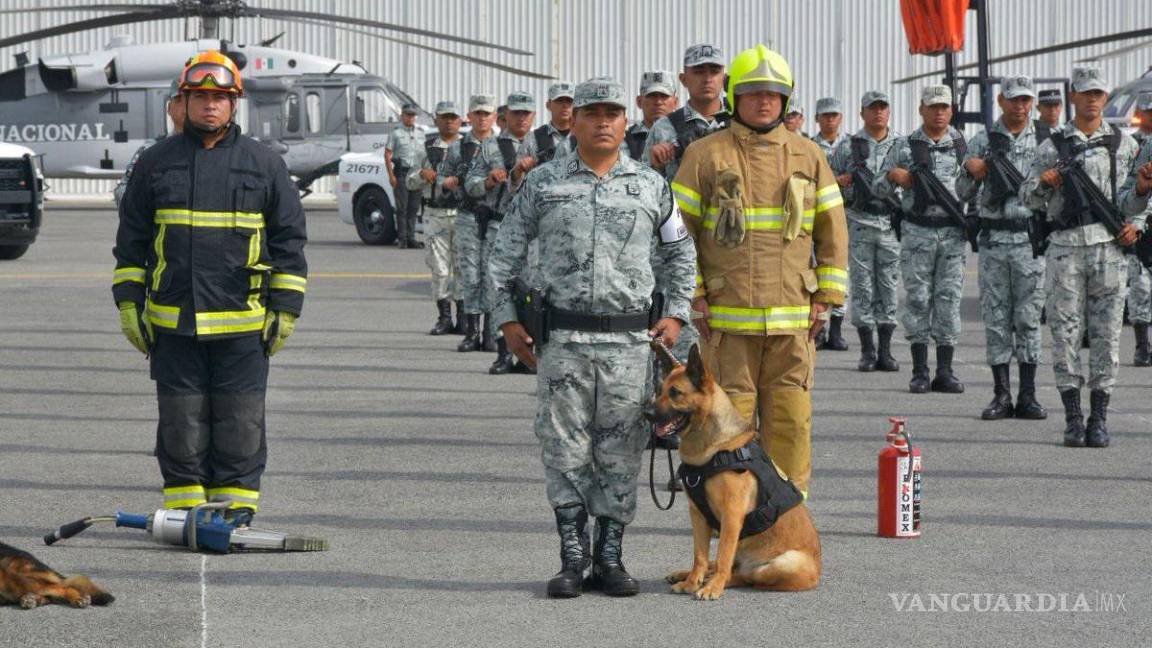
[1013, 87]
[600, 90]
[1144, 101]
[794, 108]
[657, 81]
[826, 105]
[1052, 96]
[174, 89]
[447, 108]
[935, 95]
[703, 54]
[482, 103]
[559, 91]
[1089, 79]
[874, 96]
[410, 108]
[520, 100]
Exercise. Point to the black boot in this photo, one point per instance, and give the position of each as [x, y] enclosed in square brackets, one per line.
[1096, 434]
[571, 524]
[1027, 407]
[1073, 418]
[460, 327]
[867, 350]
[946, 381]
[519, 367]
[443, 324]
[1001, 405]
[503, 362]
[471, 341]
[835, 341]
[920, 373]
[487, 340]
[1143, 357]
[608, 573]
[884, 359]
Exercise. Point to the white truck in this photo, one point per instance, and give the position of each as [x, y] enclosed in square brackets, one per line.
[21, 199]
[364, 197]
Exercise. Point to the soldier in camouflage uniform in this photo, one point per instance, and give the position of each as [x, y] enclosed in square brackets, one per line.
[440, 207]
[829, 115]
[553, 140]
[794, 120]
[1049, 104]
[874, 252]
[176, 112]
[469, 249]
[1140, 279]
[932, 252]
[404, 145]
[608, 232]
[487, 183]
[1086, 266]
[657, 98]
[1011, 280]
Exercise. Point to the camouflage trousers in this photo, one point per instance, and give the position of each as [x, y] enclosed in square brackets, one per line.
[873, 274]
[486, 247]
[1011, 297]
[932, 264]
[439, 235]
[1139, 292]
[470, 263]
[1087, 279]
[589, 421]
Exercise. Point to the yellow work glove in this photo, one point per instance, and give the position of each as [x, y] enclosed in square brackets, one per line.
[277, 327]
[799, 188]
[729, 230]
[136, 327]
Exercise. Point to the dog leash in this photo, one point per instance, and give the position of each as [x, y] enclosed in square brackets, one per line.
[652, 477]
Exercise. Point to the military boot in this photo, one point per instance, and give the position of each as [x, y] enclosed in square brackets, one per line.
[571, 524]
[503, 362]
[443, 325]
[1027, 407]
[608, 573]
[1001, 405]
[1096, 434]
[471, 341]
[835, 341]
[884, 359]
[1073, 418]
[867, 350]
[487, 340]
[1142, 358]
[459, 329]
[946, 381]
[920, 374]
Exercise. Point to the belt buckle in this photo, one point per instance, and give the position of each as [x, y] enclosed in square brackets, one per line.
[604, 324]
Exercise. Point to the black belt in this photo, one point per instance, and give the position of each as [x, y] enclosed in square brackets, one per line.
[613, 323]
[1004, 224]
[929, 221]
[1072, 221]
[440, 204]
[874, 208]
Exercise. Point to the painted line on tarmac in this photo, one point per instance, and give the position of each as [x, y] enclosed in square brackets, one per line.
[203, 601]
[318, 275]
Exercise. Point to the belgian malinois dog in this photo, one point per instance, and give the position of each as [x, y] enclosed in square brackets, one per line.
[26, 581]
[721, 450]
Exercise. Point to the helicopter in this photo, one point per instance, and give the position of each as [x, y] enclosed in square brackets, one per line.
[87, 114]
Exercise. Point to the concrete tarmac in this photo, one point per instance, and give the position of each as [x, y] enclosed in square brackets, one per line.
[423, 472]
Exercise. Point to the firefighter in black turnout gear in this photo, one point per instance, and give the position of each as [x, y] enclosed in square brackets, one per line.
[210, 277]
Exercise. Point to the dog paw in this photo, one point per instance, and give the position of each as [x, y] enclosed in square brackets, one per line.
[82, 602]
[677, 576]
[29, 601]
[711, 591]
[685, 587]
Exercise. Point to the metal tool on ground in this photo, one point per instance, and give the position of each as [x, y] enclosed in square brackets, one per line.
[202, 528]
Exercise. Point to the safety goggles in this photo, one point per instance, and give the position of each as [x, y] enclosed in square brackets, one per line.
[210, 75]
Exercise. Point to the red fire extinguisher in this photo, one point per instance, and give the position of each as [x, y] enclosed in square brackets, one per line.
[898, 485]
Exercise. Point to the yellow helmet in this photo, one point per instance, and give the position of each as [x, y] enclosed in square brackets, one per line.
[211, 70]
[757, 69]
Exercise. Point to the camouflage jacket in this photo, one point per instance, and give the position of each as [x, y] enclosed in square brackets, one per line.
[829, 147]
[663, 131]
[1020, 154]
[454, 166]
[1130, 202]
[841, 162]
[945, 166]
[488, 160]
[604, 244]
[562, 142]
[417, 183]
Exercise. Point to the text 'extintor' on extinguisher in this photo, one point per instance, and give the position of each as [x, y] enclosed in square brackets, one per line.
[898, 484]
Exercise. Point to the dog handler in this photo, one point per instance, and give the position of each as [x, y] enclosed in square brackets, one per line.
[759, 200]
[210, 278]
[608, 232]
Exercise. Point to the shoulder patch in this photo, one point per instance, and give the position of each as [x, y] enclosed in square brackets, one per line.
[632, 188]
[673, 230]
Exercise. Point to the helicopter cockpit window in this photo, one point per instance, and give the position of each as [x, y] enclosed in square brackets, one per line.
[312, 105]
[1119, 105]
[374, 106]
[292, 113]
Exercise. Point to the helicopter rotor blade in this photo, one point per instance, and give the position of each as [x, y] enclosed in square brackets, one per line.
[364, 22]
[92, 7]
[84, 25]
[269, 42]
[463, 57]
[1085, 42]
[1116, 52]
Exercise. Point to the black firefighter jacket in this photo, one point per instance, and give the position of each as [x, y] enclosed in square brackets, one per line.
[210, 238]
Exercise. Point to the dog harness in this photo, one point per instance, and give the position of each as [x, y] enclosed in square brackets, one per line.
[775, 494]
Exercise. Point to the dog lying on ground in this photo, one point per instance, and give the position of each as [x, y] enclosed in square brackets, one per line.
[26, 581]
[767, 539]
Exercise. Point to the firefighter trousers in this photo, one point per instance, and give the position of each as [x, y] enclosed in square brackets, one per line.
[769, 379]
[210, 440]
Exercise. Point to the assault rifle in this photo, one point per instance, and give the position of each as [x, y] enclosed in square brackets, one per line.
[1082, 196]
[928, 190]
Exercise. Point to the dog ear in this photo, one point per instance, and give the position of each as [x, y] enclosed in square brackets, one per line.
[696, 371]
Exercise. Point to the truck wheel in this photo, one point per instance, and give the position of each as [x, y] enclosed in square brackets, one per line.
[9, 252]
[374, 217]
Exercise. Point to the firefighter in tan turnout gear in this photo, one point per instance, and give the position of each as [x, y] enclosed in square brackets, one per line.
[761, 202]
